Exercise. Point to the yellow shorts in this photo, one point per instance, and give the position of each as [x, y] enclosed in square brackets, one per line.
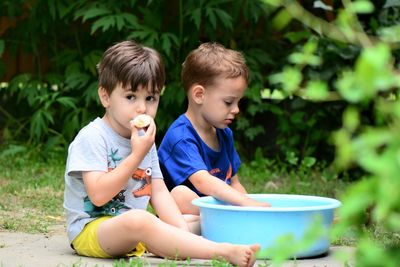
[87, 243]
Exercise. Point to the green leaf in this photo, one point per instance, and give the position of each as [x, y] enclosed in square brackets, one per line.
[146, 35]
[391, 3]
[308, 162]
[52, 8]
[373, 70]
[277, 94]
[292, 158]
[2, 47]
[357, 199]
[77, 80]
[297, 36]
[210, 14]
[351, 119]
[266, 93]
[383, 164]
[104, 23]
[361, 7]
[304, 59]
[130, 19]
[316, 90]
[12, 150]
[225, 18]
[119, 21]
[281, 20]
[275, 3]
[373, 254]
[90, 94]
[67, 101]
[344, 149]
[390, 34]
[90, 61]
[166, 42]
[39, 123]
[254, 131]
[196, 17]
[290, 78]
[348, 89]
[92, 13]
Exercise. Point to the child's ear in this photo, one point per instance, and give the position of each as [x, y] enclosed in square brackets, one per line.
[198, 92]
[104, 97]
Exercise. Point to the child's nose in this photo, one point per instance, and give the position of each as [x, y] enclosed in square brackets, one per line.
[235, 110]
[141, 107]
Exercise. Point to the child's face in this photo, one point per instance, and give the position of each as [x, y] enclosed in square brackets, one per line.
[221, 101]
[123, 105]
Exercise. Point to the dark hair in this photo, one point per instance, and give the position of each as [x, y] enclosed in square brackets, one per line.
[132, 65]
[211, 61]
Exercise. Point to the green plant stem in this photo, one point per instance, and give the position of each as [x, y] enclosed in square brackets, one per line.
[180, 22]
[322, 27]
[8, 115]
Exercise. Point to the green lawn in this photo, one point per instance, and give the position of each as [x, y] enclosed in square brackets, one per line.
[31, 188]
[31, 193]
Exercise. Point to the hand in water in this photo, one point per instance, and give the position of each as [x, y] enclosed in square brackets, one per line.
[255, 203]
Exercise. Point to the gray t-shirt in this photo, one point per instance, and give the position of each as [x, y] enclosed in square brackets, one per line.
[97, 147]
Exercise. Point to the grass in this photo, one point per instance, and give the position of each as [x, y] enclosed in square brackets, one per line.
[31, 193]
[268, 176]
[31, 188]
[142, 262]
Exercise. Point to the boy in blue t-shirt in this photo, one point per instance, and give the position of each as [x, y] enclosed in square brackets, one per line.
[197, 155]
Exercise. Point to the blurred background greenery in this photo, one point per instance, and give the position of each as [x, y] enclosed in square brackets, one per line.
[50, 49]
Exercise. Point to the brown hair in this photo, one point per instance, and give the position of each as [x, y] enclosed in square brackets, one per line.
[132, 65]
[211, 61]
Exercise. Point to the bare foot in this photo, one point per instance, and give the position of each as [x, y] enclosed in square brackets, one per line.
[241, 255]
[254, 248]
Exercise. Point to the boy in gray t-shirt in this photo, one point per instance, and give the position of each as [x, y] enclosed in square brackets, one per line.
[112, 172]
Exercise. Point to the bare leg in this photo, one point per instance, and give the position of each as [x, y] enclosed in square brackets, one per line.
[183, 197]
[193, 222]
[120, 235]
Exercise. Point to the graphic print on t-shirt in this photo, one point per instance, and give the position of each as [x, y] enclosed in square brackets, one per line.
[218, 173]
[143, 182]
[113, 158]
[110, 208]
[228, 175]
[141, 186]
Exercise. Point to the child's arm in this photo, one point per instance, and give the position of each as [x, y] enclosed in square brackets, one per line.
[235, 183]
[103, 186]
[165, 206]
[212, 186]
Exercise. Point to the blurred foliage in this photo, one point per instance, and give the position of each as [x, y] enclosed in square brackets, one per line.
[49, 102]
[368, 138]
[60, 41]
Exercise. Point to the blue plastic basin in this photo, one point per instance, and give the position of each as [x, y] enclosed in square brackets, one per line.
[289, 214]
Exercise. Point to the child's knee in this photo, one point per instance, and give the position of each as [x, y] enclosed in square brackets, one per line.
[139, 220]
[182, 192]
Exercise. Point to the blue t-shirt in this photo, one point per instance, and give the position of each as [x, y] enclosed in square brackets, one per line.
[182, 153]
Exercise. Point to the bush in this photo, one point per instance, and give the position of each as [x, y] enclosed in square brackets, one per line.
[50, 93]
[369, 142]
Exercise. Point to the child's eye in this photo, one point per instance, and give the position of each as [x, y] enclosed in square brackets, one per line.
[151, 98]
[130, 97]
[228, 103]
